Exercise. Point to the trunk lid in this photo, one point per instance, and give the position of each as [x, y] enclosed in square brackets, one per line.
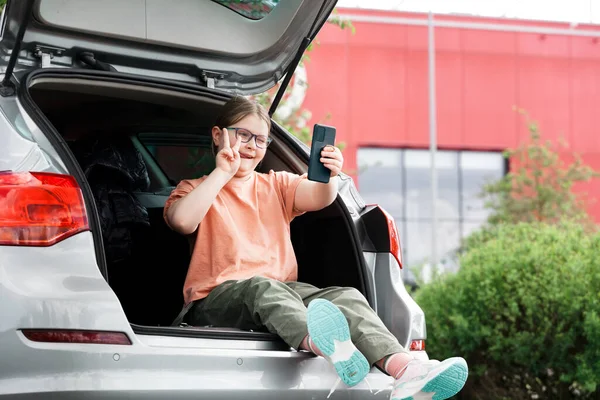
[241, 46]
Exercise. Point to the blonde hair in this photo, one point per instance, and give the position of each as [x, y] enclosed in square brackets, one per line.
[237, 109]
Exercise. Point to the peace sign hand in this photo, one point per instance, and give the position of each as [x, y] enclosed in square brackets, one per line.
[228, 158]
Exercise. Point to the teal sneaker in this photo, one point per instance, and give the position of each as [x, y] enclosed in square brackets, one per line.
[328, 330]
[431, 379]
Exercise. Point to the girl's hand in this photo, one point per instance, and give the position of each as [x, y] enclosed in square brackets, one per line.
[332, 159]
[228, 158]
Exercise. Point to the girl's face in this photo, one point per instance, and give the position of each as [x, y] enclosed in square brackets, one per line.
[253, 131]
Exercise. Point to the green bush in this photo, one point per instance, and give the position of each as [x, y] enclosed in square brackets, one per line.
[524, 311]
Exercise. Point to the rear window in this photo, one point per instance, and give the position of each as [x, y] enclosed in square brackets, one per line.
[252, 9]
[180, 156]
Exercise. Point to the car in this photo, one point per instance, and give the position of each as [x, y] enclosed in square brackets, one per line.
[104, 107]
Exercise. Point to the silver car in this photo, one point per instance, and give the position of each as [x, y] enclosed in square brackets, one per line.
[104, 106]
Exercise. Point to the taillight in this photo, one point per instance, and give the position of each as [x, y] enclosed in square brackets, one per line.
[395, 247]
[417, 345]
[39, 208]
[76, 336]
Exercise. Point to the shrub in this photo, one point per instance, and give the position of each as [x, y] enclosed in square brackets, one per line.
[524, 310]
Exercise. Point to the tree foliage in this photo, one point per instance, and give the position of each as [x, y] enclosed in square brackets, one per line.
[540, 185]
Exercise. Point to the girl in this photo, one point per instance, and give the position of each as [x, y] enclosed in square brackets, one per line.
[243, 270]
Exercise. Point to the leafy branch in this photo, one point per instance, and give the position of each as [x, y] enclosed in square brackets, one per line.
[540, 186]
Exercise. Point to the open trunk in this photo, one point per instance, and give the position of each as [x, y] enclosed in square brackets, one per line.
[159, 134]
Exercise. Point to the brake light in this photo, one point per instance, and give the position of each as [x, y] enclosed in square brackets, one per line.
[39, 208]
[417, 345]
[74, 336]
[395, 247]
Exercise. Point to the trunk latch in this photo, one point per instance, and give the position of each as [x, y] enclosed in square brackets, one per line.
[211, 77]
[47, 53]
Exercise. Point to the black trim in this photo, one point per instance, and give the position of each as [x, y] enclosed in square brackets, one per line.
[376, 225]
[88, 58]
[64, 152]
[291, 69]
[365, 289]
[288, 76]
[125, 78]
[7, 87]
[208, 333]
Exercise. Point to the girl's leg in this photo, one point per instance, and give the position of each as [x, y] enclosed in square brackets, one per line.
[254, 304]
[414, 378]
[368, 332]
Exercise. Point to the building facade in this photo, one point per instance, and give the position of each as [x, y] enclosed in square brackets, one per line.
[373, 86]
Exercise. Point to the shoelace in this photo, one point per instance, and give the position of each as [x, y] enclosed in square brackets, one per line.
[391, 385]
[337, 383]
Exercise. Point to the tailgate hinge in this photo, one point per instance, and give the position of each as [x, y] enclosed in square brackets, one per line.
[47, 53]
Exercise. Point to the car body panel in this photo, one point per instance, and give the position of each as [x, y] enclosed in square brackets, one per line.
[186, 40]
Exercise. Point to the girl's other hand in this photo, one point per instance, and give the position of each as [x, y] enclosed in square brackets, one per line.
[332, 159]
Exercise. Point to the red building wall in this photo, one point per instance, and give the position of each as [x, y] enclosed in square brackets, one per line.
[374, 85]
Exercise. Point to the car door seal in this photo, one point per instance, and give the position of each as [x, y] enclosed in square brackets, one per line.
[64, 152]
[207, 332]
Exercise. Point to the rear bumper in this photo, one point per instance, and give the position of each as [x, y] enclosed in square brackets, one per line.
[161, 366]
[149, 370]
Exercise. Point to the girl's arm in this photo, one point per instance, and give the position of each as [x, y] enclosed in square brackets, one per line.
[314, 196]
[184, 215]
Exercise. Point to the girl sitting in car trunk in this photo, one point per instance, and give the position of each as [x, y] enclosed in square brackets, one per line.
[243, 271]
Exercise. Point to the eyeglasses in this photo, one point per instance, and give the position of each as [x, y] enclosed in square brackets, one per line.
[262, 141]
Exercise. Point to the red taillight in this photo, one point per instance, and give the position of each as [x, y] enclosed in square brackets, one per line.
[69, 336]
[395, 247]
[417, 345]
[39, 208]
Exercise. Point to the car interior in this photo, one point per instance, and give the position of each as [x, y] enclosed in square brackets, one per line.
[135, 143]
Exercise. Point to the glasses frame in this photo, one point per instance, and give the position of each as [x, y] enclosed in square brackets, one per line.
[253, 136]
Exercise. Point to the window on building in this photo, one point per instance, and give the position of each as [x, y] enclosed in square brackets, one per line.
[400, 181]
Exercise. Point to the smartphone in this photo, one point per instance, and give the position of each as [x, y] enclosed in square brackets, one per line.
[323, 135]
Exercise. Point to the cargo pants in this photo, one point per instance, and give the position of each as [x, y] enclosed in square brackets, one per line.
[280, 308]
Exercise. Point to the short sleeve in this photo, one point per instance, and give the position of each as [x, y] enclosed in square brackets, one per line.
[287, 185]
[183, 188]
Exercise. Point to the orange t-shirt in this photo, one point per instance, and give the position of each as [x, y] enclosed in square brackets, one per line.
[245, 233]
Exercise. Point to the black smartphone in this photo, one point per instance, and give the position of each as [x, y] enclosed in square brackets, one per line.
[323, 135]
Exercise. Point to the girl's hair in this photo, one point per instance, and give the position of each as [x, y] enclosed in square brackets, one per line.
[237, 109]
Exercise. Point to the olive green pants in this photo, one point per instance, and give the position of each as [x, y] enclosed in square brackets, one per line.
[280, 308]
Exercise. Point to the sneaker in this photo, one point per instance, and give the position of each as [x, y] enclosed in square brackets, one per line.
[329, 331]
[431, 379]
